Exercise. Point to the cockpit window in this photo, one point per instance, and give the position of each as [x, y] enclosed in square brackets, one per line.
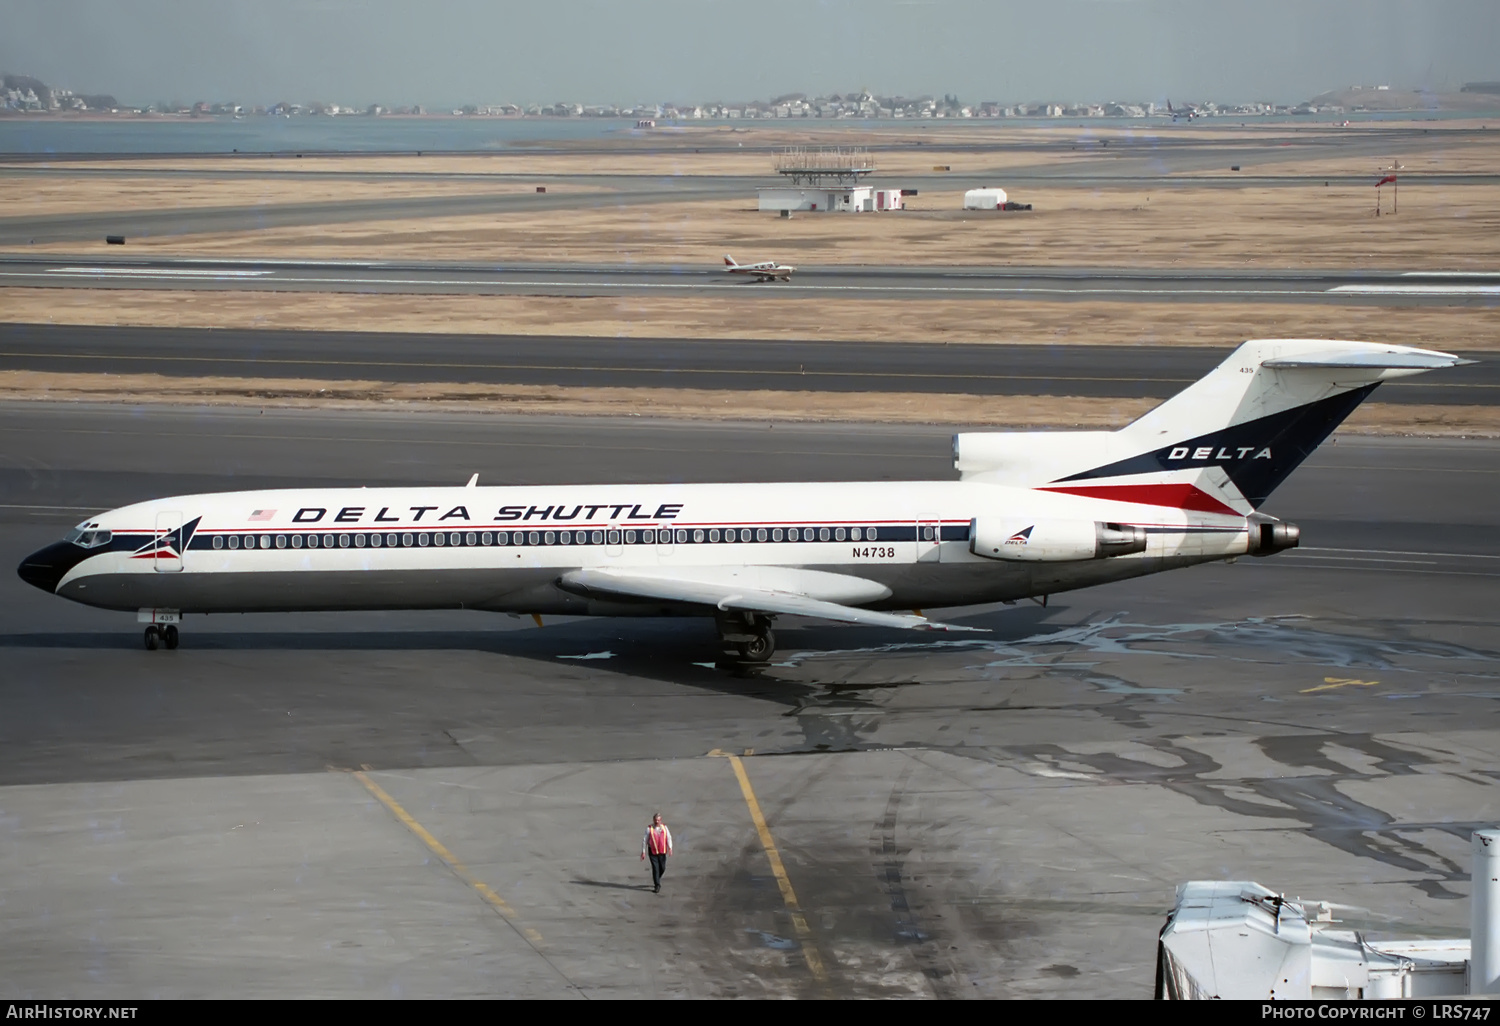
[86, 537]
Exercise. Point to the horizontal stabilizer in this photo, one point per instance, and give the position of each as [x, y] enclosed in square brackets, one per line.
[699, 588]
[1399, 359]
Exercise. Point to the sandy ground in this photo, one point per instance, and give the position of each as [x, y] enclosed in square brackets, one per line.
[38, 195]
[674, 158]
[1439, 227]
[757, 316]
[684, 404]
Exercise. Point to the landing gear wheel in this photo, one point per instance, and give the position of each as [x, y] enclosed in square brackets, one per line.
[758, 649]
[153, 638]
[169, 635]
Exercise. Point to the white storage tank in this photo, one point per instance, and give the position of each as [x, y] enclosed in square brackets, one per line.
[984, 199]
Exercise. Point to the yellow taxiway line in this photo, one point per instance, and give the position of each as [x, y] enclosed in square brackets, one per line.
[778, 869]
[441, 851]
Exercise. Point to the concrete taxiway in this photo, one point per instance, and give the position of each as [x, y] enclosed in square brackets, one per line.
[451, 804]
[965, 369]
[1424, 288]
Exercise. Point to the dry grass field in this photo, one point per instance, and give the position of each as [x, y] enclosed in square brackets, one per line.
[754, 316]
[39, 196]
[1439, 227]
[1182, 222]
[769, 407]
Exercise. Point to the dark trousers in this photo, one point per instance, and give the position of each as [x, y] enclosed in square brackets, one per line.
[658, 869]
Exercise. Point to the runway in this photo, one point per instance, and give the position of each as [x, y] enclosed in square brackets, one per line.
[742, 364]
[989, 817]
[1412, 288]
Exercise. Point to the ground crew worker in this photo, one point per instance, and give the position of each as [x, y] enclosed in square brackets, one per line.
[658, 844]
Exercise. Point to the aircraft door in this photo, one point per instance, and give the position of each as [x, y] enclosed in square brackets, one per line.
[167, 558]
[929, 539]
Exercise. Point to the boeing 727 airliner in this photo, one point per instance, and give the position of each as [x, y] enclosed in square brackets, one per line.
[1033, 514]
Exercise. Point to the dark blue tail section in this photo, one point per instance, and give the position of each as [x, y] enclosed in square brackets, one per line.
[1257, 455]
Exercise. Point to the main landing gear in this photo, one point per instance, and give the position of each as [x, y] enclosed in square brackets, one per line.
[748, 636]
[161, 636]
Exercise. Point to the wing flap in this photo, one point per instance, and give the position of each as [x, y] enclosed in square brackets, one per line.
[732, 595]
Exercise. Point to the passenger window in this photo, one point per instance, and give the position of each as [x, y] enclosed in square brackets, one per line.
[328, 541]
[776, 534]
[406, 540]
[439, 539]
[614, 537]
[927, 534]
[343, 541]
[486, 538]
[597, 538]
[744, 534]
[359, 541]
[681, 537]
[549, 537]
[822, 534]
[870, 533]
[648, 537]
[469, 538]
[566, 537]
[281, 541]
[218, 542]
[234, 541]
[265, 541]
[760, 534]
[533, 538]
[856, 534]
[713, 535]
[838, 534]
[698, 536]
[455, 539]
[629, 537]
[375, 540]
[502, 538]
[422, 540]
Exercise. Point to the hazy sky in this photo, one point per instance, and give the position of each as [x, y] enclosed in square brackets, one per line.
[443, 52]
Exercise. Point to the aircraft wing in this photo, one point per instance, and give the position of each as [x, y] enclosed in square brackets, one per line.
[751, 589]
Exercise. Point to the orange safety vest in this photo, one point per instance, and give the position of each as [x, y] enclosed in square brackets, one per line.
[658, 840]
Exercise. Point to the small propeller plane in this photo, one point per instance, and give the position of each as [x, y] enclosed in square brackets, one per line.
[768, 270]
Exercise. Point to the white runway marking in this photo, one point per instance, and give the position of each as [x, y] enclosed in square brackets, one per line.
[1418, 290]
[283, 278]
[1450, 274]
[149, 272]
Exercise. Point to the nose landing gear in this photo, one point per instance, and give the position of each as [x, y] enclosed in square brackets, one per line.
[159, 636]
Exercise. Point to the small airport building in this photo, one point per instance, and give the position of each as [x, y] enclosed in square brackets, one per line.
[985, 199]
[829, 181]
[847, 199]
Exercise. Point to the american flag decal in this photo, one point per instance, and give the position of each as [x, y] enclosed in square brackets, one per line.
[262, 514]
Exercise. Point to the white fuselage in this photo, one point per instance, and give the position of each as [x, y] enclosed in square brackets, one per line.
[505, 548]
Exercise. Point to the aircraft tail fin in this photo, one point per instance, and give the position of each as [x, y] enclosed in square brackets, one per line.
[729, 261]
[1221, 445]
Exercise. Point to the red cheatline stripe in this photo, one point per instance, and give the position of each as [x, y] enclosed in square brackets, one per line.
[1176, 496]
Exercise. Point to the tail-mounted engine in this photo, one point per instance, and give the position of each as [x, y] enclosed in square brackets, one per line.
[1269, 536]
[1052, 541]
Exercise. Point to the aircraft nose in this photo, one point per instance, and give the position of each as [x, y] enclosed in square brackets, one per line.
[45, 568]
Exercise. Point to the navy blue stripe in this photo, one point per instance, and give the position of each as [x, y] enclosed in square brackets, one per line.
[1257, 455]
